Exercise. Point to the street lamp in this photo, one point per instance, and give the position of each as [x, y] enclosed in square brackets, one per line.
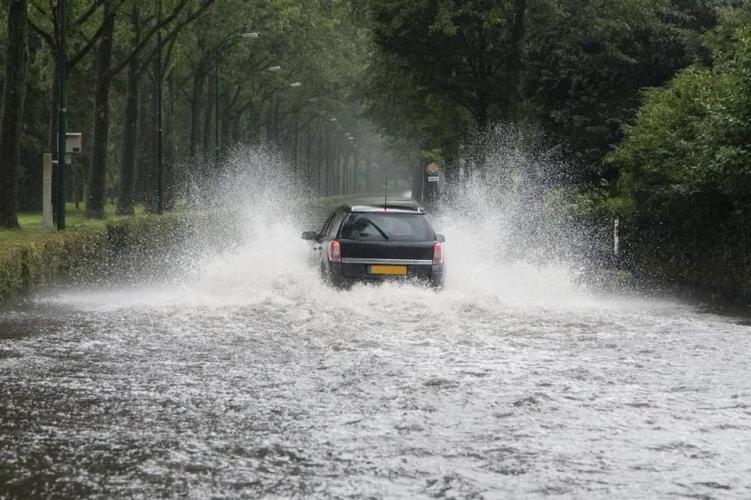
[159, 120]
[217, 51]
[62, 118]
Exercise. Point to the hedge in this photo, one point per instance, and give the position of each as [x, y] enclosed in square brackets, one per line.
[125, 247]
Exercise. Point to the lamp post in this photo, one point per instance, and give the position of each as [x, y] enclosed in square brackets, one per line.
[159, 120]
[62, 119]
[217, 51]
[349, 173]
[331, 160]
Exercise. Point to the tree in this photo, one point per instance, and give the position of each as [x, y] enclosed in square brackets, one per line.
[571, 68]
[105, 72]
[586, 68]
[45, 21]
[470, 52]
[13, 105]
[111, 62]
[130, 132]
[686, 166]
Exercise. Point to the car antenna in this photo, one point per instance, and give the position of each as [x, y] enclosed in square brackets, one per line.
[385, 194]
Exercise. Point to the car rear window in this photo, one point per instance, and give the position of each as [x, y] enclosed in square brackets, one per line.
[386, 227]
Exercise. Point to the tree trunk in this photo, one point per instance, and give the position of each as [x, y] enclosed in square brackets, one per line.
[207, 123]
[276, 119]
[321, 165]
[130, 129]
[345, 173]
[125, 201]
[196, 107]
[147, 144]
[515, 63]
[235, 125]
[13, 97]
[482, 113]
[225, 125]
[308, 152]
[98, 167]
[170, 171]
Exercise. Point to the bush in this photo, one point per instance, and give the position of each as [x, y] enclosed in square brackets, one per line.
[126, 247]
[686, 165]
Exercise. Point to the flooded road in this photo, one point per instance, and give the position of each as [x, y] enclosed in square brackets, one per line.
[242, 375]
[253, 381]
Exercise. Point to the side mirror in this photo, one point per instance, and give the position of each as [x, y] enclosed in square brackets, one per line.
[310, 235]
[440, 238]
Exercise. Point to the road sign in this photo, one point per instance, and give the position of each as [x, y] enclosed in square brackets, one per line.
[432, 168]
[433, 178]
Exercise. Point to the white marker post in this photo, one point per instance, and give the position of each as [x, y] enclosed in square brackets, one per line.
[616, 237]
[47, 191]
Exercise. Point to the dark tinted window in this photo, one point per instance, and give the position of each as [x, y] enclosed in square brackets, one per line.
[327, 224]
[380, 226]
[332, 224]
[336, 222]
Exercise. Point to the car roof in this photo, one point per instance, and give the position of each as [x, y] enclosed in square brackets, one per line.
[398, 205]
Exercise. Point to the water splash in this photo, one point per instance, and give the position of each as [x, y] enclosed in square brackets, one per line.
[507, 245]
[245, 376]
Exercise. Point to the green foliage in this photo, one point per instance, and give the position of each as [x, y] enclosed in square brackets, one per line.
[323, 44]
[693, 136]
[461, 52]
[11, 272]
[87, 253]
[586, 67]
[573, 68]
[686, 166]
[50, 258]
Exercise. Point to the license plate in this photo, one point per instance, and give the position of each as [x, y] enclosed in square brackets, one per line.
[391, 270]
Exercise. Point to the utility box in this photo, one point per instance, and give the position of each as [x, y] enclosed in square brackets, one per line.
[74, 143]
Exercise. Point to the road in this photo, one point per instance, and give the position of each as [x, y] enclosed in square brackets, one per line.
[250, 378]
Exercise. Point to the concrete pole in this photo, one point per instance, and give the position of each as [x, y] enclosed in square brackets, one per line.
[617, 237]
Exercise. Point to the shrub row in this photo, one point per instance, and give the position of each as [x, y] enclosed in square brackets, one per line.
[125, 247]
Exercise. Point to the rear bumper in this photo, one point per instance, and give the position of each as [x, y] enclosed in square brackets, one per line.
[348, 272]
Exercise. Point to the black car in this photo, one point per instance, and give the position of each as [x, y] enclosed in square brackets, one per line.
[375, 242]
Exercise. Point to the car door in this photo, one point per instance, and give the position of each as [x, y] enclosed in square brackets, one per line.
[329, 232]
[321, 244]
[318, 244]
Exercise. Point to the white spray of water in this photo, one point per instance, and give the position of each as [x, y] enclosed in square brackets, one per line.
[492, 258]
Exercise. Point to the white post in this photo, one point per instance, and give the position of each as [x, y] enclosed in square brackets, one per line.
[47, 191]
[616, 238]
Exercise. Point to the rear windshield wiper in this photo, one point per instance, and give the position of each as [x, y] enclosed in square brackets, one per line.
[378, 228]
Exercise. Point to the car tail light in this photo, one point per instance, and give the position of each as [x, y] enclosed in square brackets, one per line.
[335, 251]
[437, 253]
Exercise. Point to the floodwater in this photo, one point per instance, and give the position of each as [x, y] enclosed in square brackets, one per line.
[249, 378]
[253, 379]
